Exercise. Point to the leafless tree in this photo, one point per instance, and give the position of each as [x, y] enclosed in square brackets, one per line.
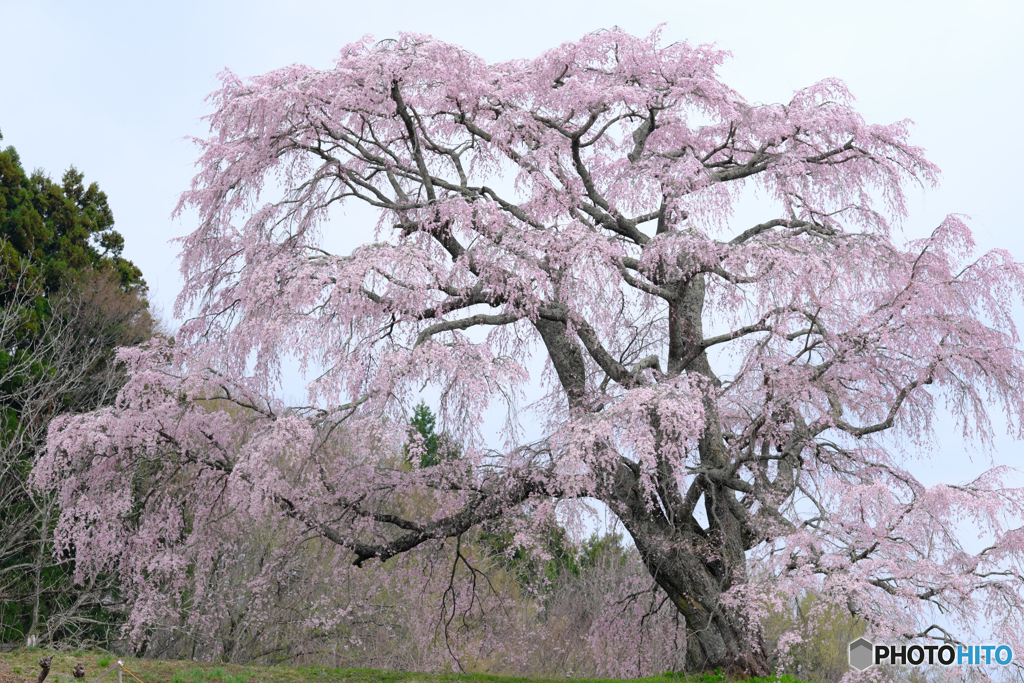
[56, 356]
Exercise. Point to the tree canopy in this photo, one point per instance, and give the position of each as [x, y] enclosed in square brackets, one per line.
[57, 229]
[743, 397]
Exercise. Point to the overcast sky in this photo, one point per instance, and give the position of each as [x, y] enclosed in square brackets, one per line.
[115, 88]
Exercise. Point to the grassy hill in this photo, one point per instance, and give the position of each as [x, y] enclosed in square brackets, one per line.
[22, 666]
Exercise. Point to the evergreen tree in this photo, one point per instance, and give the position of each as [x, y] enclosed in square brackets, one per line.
[437, 448]
[55, 230]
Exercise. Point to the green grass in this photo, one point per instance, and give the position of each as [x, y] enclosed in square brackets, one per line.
[197, 675]
[22, 665]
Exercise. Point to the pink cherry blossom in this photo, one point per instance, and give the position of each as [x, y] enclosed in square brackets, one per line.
[575, 208]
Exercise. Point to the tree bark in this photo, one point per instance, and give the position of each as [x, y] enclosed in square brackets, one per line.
[44, 664]
[693, 565]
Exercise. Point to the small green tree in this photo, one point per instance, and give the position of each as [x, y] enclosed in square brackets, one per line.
[436, 448]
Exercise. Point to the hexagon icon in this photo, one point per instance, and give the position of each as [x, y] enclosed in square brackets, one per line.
[860, 654]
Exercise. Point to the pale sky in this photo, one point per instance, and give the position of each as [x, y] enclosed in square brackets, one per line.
[115, 87]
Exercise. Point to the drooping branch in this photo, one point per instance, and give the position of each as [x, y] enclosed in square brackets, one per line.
[492, 501]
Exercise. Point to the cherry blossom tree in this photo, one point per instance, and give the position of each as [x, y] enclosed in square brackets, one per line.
[744, 398]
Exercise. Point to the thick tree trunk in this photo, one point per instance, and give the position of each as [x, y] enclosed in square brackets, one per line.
[695, 567]
[717, 636]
